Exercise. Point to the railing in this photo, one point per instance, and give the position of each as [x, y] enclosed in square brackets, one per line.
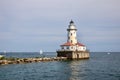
[71, 50]
[64, 50]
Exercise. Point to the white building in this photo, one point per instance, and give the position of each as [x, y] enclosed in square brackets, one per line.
[72, 43]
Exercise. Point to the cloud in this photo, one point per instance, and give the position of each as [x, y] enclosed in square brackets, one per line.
[45, 21]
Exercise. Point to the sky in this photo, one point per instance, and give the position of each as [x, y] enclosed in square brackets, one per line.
[31, 25]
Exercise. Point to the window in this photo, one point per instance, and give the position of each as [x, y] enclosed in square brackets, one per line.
[84, 48]
[62, 47]
[71, 34]
[71, 47]
[67, 47]
[71, 41]
[68, 37]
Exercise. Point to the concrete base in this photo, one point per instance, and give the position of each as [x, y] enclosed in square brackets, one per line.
[73, 54]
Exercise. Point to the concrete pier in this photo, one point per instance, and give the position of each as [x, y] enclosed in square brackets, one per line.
[74, 54]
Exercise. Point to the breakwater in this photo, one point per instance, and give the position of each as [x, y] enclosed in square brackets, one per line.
[5, 61]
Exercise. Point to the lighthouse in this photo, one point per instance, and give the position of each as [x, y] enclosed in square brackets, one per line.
[72, 48]
[72, 38]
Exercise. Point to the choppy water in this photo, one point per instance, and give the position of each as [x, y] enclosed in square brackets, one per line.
[100, 66]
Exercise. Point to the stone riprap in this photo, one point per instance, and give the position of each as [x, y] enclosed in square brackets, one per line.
[29, 60]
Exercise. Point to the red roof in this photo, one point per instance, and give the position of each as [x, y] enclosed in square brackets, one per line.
[67, 44]
[70, 44]
[80, 44]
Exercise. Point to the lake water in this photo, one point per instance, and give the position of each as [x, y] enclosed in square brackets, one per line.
[100, 66]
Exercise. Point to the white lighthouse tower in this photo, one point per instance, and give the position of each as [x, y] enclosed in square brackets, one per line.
[72, 48]
[72, 37]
